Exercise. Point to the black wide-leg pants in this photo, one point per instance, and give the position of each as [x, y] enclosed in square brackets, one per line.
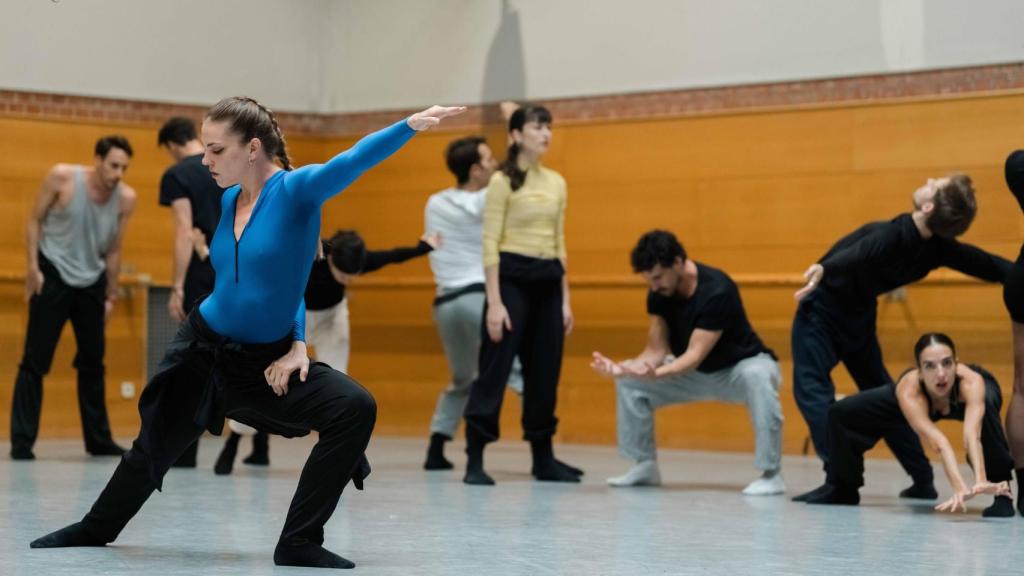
[858, 422]
[182, 399]
[825, 333]
[531, 290]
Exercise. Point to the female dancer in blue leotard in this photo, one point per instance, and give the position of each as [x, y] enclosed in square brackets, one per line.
[241, 353]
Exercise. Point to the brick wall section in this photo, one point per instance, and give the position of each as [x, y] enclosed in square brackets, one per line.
[673, 103]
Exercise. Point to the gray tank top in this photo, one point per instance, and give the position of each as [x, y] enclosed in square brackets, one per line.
[76, 238]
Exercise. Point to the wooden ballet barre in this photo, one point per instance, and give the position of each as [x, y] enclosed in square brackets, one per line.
[943, 278]
[127, 280]
[756, 280]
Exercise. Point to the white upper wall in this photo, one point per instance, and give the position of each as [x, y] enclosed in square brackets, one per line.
[185, 51]
[354, 55]
[406, 54]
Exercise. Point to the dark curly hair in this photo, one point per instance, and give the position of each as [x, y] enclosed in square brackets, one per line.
[107, 143]
[656, 247]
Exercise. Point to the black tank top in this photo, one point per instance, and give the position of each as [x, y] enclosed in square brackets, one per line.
[957, 407]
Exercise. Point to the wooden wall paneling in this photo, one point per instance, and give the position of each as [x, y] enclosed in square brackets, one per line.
[752, 193]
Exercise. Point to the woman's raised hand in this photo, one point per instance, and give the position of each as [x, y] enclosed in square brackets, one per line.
[432, 116]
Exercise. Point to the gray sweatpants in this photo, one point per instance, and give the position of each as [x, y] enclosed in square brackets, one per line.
[753, 382]
[460, 322]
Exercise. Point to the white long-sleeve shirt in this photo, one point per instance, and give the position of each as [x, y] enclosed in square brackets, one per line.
[458, 216]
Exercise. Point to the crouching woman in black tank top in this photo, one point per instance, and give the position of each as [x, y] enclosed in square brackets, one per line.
[939, 388]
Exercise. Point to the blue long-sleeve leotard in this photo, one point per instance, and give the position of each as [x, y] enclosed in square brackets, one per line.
[260, 279]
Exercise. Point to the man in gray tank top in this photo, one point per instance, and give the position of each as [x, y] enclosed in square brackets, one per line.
[73, 238]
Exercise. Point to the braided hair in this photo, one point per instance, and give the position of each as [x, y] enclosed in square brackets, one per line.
[250, 119]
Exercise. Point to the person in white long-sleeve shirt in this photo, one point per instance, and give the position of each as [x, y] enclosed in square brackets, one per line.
[457, 214]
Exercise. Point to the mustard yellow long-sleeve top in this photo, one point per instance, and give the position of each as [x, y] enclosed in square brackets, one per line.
[529, 221]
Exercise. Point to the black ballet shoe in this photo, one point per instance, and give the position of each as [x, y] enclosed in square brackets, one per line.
[437, 462]
[475, 474]
[546, 467]
[551, 471]
[1002, 507]
[435, 453]
[310, 556]
[920, 492]
[813, 493]
[69, 536]
[226, 460]
[835, 496]
[571, 469]
[478, 478]
[255, 459]
[260, 450]
[568, 468]
[22, 454]
[361, 471]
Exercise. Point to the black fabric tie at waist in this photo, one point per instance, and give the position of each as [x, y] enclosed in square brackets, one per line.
[205, 399]
[445, 298]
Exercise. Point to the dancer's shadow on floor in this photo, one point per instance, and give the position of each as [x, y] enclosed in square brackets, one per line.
[183, 557]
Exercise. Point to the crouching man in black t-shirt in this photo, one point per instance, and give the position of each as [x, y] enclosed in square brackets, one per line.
[700, 347]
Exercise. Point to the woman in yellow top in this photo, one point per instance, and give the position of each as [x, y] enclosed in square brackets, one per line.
[528, 313]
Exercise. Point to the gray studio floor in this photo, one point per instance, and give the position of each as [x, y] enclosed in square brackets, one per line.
[412, 522]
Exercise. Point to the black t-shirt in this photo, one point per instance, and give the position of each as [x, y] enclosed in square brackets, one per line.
[715, 306]
[191, 180]
[882, 256]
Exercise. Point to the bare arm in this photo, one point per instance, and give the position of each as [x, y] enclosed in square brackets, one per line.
[181, 209]
[915, 410]
[701, 343]
[58, 177]
[497, 316]
[972, 386]
[567, 317]
[113, 255]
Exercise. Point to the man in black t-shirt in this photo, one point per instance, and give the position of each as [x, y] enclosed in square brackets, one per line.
[700, 347]
[835, 321]
[194, 198]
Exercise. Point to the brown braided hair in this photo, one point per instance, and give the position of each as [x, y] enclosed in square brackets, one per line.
[250, 119]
